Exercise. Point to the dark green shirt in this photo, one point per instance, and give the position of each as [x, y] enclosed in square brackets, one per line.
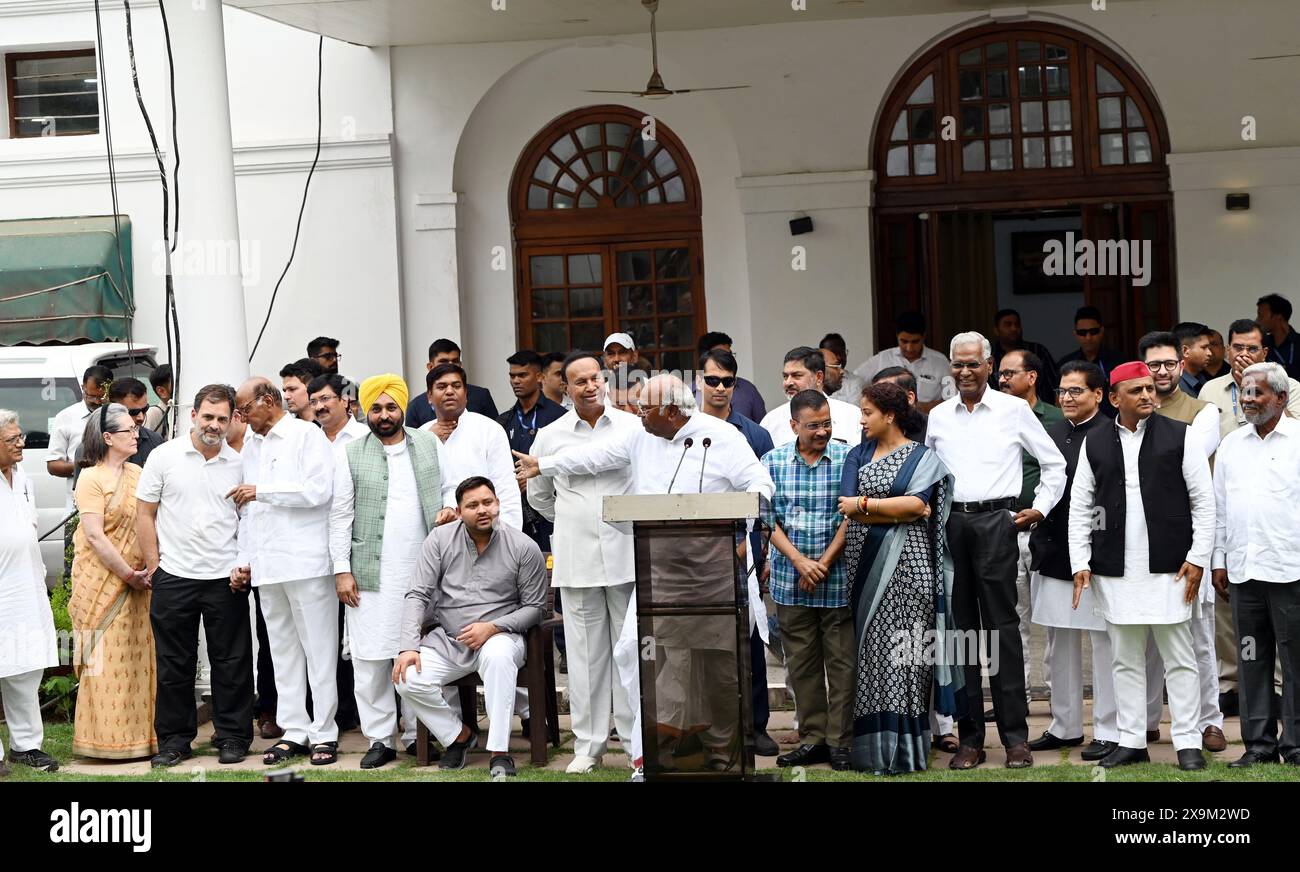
[1047, 415]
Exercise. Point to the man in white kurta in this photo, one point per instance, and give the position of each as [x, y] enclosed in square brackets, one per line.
[27, 640]
[410, 484]
[661, 462]
[284, 551]
[593, 561]
[472, 444]
[1139, 601]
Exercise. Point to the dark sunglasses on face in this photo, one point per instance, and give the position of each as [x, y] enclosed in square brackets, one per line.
[1088, 331]
[725, 380]
[136, 413]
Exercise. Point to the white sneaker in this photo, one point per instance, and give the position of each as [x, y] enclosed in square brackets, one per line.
[582, 765]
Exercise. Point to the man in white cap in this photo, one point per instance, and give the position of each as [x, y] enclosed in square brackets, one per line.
[620, 359]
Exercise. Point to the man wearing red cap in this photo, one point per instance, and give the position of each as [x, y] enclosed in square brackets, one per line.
[1141, 527]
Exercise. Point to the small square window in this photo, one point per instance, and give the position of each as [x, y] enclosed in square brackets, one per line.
[53, 93]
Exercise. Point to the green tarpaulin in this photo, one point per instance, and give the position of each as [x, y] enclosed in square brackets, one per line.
[61, 280]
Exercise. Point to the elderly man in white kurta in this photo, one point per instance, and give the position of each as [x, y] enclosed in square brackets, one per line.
[284, 551]
[27, 640]
[472, 444]
[593, 561]
[387, 494]
[666, 456]
[1141, 528]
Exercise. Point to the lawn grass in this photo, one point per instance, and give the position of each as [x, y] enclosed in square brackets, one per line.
[204, 767]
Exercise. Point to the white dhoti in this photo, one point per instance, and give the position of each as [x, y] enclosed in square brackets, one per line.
[497, 663]
[1174, 642]
[593, 620]
[303, 632]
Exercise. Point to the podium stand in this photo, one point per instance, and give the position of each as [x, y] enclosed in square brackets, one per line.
[693, 631]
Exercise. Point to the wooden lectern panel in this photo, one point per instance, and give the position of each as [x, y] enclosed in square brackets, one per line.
[681, 507]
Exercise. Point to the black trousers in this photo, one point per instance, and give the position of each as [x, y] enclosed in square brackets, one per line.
[266, 695]
[1268, 614]
[758, 678]
[984, 556]
[174, 612]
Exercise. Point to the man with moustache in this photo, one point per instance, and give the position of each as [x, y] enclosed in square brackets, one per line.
[1145, 556]
[1218, 365]
[188, 527]
[283, 551]
[387, 496]
[1159, 351]
[477, 399]
[1052, 587]
[328, 397]
[1256, 556]
[981, 433]
[294, 379]
[804, 369]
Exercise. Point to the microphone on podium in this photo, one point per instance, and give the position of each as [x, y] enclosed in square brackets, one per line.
[686, 446]
[706, 443]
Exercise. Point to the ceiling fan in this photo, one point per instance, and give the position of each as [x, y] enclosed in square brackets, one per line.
[654, 89]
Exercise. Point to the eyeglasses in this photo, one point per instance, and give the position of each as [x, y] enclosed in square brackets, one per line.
[134, 431]
[137, 413]
[19, 439]
[726, 381]
[966, 364]
[834, 366]
[643, 410]
[814, 426]
[242, 411]
[1088, 331]
[321, 399]
[1248, 349]
[1008, 373]
[329, 355]
[1157, 365]
[1072, 393]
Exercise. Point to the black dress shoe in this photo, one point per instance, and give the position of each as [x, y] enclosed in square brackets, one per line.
[1254, 758]
[378, 755]
[1292, 759]
[1229, 703]
[169, 757]
[765, 745]
[232, 752]
[35, 758]
[805, 755]
[1191, 759]
[1048, 742]
[1098, 749]
[990, 715]
[457, 753]
[526, 727]
[840, 760]
[1122, 756]
[1153, 736]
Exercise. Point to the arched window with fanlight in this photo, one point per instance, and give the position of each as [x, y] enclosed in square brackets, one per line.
[607, 237]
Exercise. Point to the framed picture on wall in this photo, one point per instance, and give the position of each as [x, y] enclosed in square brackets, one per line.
[1027, 256]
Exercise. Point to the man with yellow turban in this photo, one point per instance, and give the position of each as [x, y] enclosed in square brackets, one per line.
[387, 499]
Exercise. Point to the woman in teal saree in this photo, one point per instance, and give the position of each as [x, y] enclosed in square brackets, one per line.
[895, 496]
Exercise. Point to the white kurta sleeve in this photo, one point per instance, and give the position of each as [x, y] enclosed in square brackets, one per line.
[342, 513]
[1219, 560]
[1206, 428]
[1081, 505]
[590, 459]
[749, 474]
[1051, 463]
[541, 488]
[501, 469]
[1200, 490]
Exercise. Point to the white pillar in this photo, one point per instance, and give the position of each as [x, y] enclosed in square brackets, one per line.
[210, 299]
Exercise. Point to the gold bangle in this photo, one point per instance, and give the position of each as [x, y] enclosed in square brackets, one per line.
[860, 508]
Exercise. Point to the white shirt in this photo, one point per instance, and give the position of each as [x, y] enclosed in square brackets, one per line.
[729, 467]
[588, 552]
[284, 533]
[851, 390]
[930, 369]
[374, 625]
[197, 524]
[1257, 492]
[1205, 428]
[68, 428]
[846, 423]
[27, 638]
[1141, 596]
[479, 446]
[982, 448]
[353, 429]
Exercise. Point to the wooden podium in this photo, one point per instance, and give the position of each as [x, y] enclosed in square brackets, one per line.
[693, 632]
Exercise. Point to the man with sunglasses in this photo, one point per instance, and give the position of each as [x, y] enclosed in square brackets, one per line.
[745, 399]
[1091, 336]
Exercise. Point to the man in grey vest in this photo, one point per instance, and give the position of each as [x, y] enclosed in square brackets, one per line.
[387, 495]
[1141, 527]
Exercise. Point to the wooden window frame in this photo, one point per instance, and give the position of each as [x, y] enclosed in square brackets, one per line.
[11, 63]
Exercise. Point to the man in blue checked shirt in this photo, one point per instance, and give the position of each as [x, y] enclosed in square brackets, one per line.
[809, 585]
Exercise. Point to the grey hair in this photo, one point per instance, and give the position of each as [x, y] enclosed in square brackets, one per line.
[1274, 374]
[970, 338]
[7, 418]
[93, 449]
[672, 392]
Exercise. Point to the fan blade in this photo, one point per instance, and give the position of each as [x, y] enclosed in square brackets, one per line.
[1275, 57]
[628, 93]
[721, 88]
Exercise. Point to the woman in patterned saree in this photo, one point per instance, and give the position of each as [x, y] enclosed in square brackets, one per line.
[895, 495]
[109, 606]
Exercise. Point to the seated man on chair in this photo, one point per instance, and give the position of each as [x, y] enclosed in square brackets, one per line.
[478, 587]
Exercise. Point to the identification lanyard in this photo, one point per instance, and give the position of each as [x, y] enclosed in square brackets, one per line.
[1232, 388]
[1290, 356]
[531, 428]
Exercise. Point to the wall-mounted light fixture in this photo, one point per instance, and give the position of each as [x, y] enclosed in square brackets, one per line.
[1238, 202]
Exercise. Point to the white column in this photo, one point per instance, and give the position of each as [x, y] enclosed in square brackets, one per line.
[210, 298]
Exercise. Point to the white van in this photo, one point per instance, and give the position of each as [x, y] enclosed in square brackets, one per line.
[40, 381]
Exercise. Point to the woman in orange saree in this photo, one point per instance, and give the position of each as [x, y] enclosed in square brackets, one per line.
[109, 607]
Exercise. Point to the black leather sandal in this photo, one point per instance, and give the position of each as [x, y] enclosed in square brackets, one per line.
[283, 750]
[327, 752]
